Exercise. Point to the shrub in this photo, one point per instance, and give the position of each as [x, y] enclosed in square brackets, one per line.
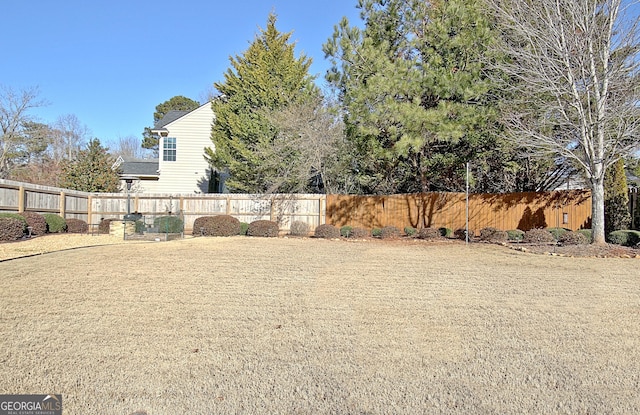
[586, 232]
[36, 221]
[219, 225]
[327, 231]
[491, 234]
[15, 216]
[168, 224]
[359, 233]
[461, 234]
[376, 232]
[11, 228]
[55, 223]
[263, 228]
[616, 199]
[105, 225]
[429, 233]
[244, 226]
[515, 235]
[77, 226]
[625, 238]
[140, 227]
[573, 238]
[557, 232]
[446, 232]
[346, 231]
[389, 232]
[299, 228]
[410, 231]
[535, 236]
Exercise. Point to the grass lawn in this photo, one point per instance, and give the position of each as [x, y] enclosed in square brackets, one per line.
[307, 326]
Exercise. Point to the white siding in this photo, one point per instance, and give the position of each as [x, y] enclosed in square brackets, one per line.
[190, 172]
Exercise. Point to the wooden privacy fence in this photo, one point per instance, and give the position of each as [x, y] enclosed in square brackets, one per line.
[567, 209]
[21, 197]
[93, 207]
[284, 209]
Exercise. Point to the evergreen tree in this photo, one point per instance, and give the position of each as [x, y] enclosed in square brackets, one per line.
[266, 78]
[418, 101]
[177, 103]
[90, 170]
[616, 199]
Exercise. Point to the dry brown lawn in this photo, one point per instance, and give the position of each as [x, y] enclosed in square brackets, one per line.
[305, 326]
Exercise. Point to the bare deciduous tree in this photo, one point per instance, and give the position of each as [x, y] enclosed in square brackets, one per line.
[572, 73]
[304, 155]
[129, 146]
[14, 114]
[69, 136]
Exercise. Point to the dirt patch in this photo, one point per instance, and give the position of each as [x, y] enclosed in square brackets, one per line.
[275, 325]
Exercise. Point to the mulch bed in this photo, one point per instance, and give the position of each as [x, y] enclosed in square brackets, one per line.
[593, 251]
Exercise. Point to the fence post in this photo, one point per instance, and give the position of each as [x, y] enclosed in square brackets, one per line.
[90, 210]
[21, 199]
[63, 204]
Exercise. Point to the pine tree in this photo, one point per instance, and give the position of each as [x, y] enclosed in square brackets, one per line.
[90, 170]
[267, 77]
[178, 103]
[414, 86]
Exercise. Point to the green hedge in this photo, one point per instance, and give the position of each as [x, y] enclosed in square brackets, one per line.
[55, 223]
[625, 238]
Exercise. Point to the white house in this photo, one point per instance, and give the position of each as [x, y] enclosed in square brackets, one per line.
[181, 166]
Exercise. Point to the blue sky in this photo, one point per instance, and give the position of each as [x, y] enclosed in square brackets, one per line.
[111, 62]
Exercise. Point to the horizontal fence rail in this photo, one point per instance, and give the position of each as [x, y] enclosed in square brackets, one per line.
[567, 209]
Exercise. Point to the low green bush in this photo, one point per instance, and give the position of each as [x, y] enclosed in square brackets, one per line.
[218, 225]
[624, 238]
[446, 232]
[376, 232]
[345, 231]
[15, 216]
[558, 232]
[410, 231]
[55, 223]
[299, 228]
[244, 226]
[515, 235]
[389, 232]
[11, 228]
[429, 233]
[586, 232]
[263, 228]
[491, 234]
[327, 231]
[168, 224]
[36, 221]
[536, 236]
[140, 227]
[77, 226]
[573, 238]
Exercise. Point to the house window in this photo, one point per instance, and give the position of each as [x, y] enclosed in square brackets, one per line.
[169, 149]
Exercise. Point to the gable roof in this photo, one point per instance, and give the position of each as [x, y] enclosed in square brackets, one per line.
[139, 167]
[169, 117]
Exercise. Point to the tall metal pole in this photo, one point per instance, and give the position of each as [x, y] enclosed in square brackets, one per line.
[466, 236]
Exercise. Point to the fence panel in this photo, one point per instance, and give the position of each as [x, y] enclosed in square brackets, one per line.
[568, 209]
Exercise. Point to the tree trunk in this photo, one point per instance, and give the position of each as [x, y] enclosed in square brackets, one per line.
[597, 211]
